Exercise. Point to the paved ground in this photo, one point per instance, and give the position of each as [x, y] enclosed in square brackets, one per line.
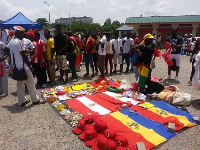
[40, 127]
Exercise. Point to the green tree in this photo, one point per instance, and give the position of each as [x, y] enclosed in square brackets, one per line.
[42, 21]
[116, 23]
[107, 22]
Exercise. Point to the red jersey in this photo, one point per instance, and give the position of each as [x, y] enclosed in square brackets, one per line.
[38, 55]
[88, 45]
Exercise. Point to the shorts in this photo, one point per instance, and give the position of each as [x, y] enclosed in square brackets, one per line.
[117, 58]
[101, 61]
[62, 63]
[177, 57]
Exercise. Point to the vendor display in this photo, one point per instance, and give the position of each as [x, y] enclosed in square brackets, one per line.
[113, 114]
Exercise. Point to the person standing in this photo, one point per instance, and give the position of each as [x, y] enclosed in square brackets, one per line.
[128, 42]
[117, 42]
[145, 52]
[159, 41]
[88, 47]
[4, 77]
[50, 57]
[95, 52]
[71, 55]
[60, 45]
[19, 58]
[195, 51]
[101, 55]
[109, 48]
[38, 62]
[176, 42]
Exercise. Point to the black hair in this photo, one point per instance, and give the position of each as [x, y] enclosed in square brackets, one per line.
[37, 34]
[47, 31]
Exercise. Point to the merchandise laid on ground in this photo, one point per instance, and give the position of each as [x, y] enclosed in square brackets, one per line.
[112, 115]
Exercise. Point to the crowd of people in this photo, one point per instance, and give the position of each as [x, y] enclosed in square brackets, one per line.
[101, 53]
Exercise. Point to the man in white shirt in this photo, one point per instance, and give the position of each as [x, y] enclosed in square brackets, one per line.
[101, 56]
[19, 58]
[128, 42]
[4, 78]
[117, 52]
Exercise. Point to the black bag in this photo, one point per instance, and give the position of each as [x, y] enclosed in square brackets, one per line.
[18, 75]
[154, 87]
[173, 67]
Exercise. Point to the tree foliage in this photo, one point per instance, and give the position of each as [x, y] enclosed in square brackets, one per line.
[42, 21]
[82, 27]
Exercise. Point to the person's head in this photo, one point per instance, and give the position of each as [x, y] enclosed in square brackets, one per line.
[94, 36]
[174, 32]
[190, 35]
[19, 32]
[58, 28]
[116, 35]
[108, 36]
[37, 36]
[87, 34]
[128, 35]
[147, 39]
[30, 35]
[100, 34]
[70, 33]
[134, 35]
[47, 34]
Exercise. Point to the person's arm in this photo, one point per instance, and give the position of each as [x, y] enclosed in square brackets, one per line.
[137, 49]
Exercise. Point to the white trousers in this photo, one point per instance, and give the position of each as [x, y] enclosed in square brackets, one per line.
[30, 83]
[4, 79]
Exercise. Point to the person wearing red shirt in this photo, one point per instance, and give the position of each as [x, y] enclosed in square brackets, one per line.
[88, 47]
[38, 62]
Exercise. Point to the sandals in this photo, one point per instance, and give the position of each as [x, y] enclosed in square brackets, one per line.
[41, 101]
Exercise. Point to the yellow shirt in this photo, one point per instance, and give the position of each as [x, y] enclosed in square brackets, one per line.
[49, 45]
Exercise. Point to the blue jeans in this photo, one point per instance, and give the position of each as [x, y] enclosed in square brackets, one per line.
[40, 73]
[89, 60]
[72, 60]
[126, 56]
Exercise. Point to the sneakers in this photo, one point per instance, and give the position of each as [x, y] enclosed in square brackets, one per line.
[168, 77]
[41, 101]
[26, 102]
[176, 79]
[3, 94]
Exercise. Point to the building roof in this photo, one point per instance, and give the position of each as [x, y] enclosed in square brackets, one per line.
[164, 19]
[125, 28]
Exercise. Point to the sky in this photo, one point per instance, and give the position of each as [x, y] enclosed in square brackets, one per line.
[99, 10]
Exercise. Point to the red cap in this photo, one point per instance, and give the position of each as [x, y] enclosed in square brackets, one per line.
[31, 34]
[89, 135]
[100, 142]
[80, 127]
[109, 133]
[130, 147]
[88, 118]
[111, 145]
[121, 140]
[99, 125]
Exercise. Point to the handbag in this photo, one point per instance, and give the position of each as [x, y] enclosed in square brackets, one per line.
[174, 96]
[18, 74]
